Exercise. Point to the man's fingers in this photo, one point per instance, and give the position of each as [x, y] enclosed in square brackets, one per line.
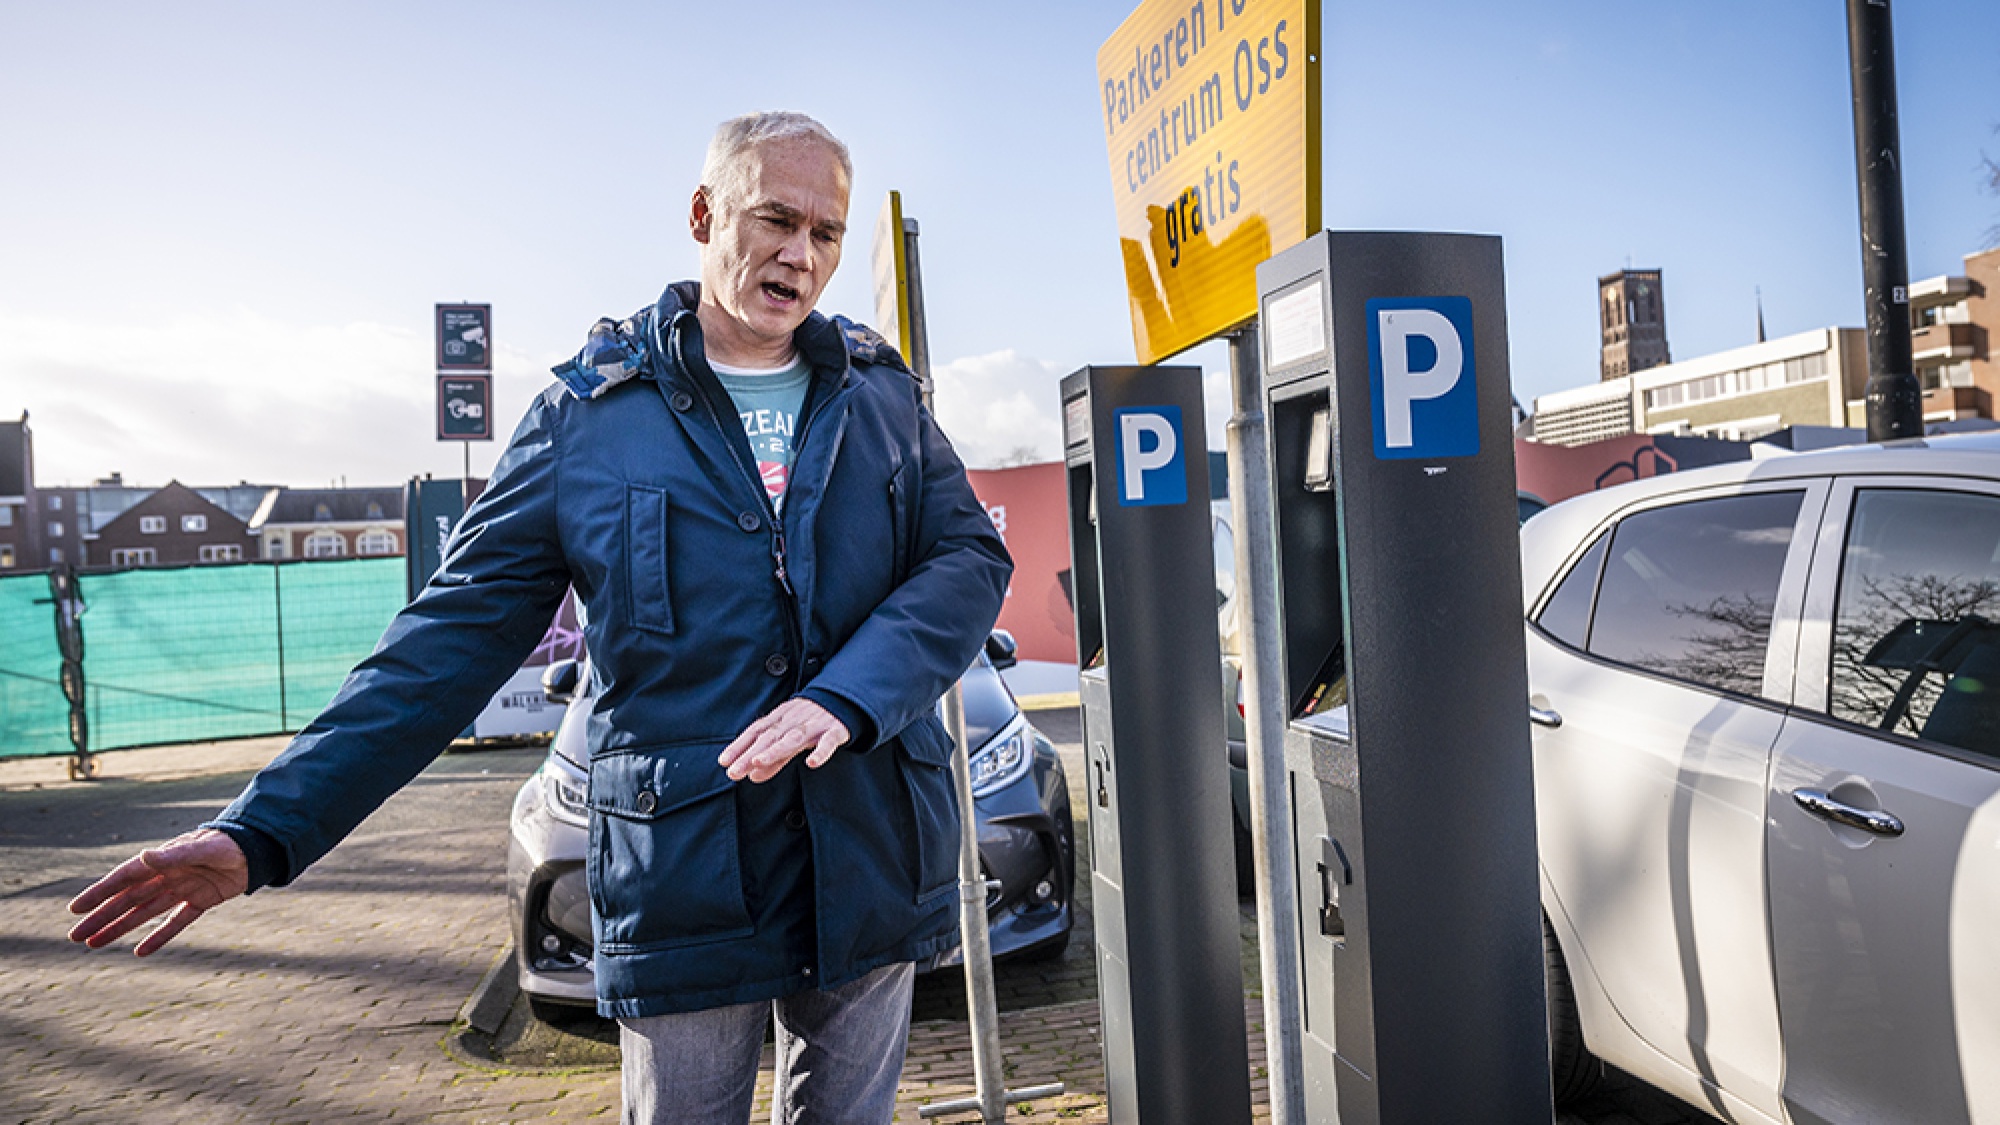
[115, 926]
[132, 871]
[829, 741]
[183, 916]
[110, 909]
[746, 740]
[772, 749]
[794, 726]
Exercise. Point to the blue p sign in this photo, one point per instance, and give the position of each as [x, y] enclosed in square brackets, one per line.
[1421, 377]
[1151, 466]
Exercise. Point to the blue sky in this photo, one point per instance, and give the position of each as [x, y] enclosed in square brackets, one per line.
[223, 226]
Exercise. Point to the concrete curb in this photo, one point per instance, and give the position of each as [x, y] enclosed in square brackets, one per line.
[486, 1009]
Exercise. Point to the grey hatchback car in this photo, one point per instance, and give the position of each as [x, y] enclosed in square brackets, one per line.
[1026, 839]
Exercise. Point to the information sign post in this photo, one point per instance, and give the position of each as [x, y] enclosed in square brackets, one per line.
[465, 378]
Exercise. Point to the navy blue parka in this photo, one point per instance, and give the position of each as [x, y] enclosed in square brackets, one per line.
[702, 611]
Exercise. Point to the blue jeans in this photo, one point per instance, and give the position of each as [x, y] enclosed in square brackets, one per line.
[840, 1054]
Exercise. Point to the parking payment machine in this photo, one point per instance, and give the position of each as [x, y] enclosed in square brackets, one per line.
[1163, 895]
[1407, 751]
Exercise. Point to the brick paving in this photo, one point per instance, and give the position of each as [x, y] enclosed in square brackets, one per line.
[333, 1000]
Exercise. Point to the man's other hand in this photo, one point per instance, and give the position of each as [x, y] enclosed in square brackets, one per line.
[767, 744]
[188, 875]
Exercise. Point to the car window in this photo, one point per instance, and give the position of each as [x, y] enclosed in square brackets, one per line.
[1916, 632]
[1566, 617]
[1688, 590]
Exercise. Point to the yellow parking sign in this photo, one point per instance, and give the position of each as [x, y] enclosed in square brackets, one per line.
[1210, 111]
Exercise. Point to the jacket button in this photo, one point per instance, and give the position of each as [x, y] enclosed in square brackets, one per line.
[680, 400]
[795, 820]
[646, 802]
[776, 664]
[749, 521]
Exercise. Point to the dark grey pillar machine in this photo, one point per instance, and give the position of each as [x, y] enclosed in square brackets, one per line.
[1407, 753]
[1162, 884]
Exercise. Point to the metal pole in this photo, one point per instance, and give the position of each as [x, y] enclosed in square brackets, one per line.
[1894, 399]
[991, 1096]
[920, 340]
[1251, 498]
[278, 613]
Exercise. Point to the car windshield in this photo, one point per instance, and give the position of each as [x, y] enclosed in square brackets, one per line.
[989, 706]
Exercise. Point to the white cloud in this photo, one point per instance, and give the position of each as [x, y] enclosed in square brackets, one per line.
[238, 396]
[1001, 407]
[1005, 407]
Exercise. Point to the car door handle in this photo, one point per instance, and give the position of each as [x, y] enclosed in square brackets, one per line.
[1816, 802]
[1544, 716]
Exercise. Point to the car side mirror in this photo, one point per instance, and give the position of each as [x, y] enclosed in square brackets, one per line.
[1000, 649]
[559, 681]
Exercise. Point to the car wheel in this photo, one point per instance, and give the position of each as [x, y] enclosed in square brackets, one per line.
[1573, 1071]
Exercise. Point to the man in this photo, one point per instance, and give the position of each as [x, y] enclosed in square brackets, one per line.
[777, 553]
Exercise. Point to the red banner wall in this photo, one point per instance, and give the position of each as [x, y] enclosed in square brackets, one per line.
[1028, 505]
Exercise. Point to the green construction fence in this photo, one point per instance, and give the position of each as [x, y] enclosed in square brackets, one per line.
[189, 654]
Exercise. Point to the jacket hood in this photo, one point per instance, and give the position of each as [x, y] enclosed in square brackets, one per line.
[617, 350]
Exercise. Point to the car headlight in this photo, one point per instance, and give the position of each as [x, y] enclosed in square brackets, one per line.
[1001, 761]
[568, 800]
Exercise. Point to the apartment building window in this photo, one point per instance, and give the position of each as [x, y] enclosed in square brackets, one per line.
[1947, 375]
[6, 515]
[55, 556]
[221, 552]
[325, 544]
[194, 523]
[6, 556]
[274, 547]
[55, 529]
[135, 556]
[375, 541]
[55, 502]
[152, 525]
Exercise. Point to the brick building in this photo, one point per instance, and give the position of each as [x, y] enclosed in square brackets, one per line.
[1814, 378]
[19, 546]
[175, 525]
[1954, 320]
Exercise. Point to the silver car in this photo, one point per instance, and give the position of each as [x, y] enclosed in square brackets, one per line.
[1766, 700]
[1026, 840]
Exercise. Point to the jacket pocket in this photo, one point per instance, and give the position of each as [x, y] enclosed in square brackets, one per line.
[664, 864]
[646, 558]
[924, 756]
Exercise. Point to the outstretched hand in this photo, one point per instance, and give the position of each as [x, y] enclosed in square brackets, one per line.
[188, 875]
[767, 744]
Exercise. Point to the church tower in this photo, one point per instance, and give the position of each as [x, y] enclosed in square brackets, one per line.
[1632, 323]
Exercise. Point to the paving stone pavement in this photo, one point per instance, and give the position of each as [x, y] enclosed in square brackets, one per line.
[331, 1000]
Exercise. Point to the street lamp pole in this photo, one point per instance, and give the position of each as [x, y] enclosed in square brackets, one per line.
[1894, 399]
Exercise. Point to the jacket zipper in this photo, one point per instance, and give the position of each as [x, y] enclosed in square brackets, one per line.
[795, 625]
